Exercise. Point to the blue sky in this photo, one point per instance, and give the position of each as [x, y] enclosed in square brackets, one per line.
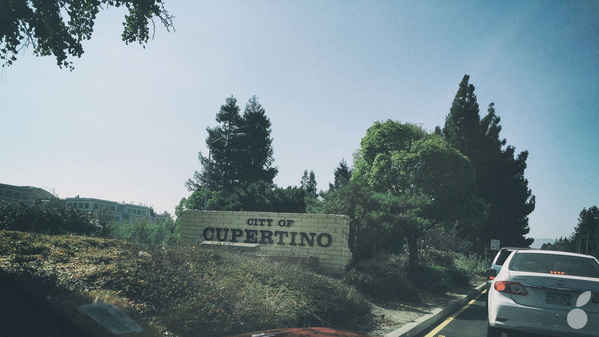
[128, 122]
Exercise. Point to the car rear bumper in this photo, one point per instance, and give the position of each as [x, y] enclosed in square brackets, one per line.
[504, 313]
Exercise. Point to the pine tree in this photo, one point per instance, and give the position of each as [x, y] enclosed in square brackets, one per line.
[308, 183]
[240, 152]
[256, 158]
[499, 172]
[342, 176]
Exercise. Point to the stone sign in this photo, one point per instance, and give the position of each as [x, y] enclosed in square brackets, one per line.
[318, 237]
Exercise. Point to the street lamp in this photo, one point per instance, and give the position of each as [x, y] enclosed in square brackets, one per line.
[237, 134]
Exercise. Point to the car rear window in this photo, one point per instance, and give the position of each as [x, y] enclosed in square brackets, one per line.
[555, 264]
[503, 255]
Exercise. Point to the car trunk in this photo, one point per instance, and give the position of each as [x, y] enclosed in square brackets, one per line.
[556, 291]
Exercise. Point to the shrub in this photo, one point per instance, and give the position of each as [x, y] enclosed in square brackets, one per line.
[146, 231]
[52, 219]
[438, 279]
[382, 277]
[191, 291]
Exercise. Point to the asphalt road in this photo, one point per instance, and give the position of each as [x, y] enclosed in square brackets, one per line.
[468, 321]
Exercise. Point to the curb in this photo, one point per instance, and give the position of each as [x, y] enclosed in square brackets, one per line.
[426, 321]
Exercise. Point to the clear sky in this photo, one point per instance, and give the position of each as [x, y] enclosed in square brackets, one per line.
[128, 122]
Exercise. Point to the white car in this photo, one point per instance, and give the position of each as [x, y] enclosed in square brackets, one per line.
[498, 261]
[545, 292]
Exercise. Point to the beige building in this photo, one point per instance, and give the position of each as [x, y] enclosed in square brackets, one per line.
[119, 211]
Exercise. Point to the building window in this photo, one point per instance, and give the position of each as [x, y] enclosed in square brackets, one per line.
[112, 208]
[87, 205]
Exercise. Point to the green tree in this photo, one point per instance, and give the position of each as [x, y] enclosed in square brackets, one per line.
[419, 181]
[223, 150]
[58, 28]
[342, 176]
[366, 233]
[499, 172]
[236, 162]
[308, 183]
[585, 238]
[561, 244]
[256, 158]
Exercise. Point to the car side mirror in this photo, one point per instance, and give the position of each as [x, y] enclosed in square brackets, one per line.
[489, 265]
[490, 273]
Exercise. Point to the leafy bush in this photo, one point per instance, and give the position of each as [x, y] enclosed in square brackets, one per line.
[146, 231]
[472, 265]
[383, 277]
[50, 219]
[449, 240]
[436, 258]
[438, 279]
[388, 277]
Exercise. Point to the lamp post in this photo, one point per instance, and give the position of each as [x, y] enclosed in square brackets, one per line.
[237, 134]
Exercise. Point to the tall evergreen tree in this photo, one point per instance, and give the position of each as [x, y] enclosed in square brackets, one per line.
[256, 158]
[223, 151]
[236, 162]
[342, 176]
[499, 172]
[585, 238]
[308, 183]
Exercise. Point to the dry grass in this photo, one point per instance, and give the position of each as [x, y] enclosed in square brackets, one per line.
[177, 290]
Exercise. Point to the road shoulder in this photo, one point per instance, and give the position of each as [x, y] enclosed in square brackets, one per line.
[407, 320]
[436, 315]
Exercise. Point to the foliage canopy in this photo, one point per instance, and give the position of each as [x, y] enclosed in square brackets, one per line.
[499, 172]
[58, 27]
[417, 181]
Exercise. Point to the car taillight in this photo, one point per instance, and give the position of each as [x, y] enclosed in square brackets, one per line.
[509, 287]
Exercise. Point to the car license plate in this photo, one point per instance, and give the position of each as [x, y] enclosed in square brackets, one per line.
[559, 299]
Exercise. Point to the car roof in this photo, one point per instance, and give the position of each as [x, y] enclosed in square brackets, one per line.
[554, 252]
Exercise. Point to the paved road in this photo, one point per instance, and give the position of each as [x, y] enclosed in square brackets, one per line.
[469, 321]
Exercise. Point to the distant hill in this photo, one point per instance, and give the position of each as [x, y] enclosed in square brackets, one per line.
[540, 241]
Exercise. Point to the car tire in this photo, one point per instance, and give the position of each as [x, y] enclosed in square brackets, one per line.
[493, 332]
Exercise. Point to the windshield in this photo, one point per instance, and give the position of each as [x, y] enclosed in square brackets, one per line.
[555, 264]
[215, 168]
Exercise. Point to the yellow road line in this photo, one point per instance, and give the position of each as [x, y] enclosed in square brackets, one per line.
[447, 321]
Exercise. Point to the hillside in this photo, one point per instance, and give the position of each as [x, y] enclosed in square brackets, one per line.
[176, 291]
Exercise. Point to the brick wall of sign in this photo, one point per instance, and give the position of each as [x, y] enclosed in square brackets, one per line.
[319, 237]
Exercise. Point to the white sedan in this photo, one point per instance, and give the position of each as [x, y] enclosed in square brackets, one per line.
[545, 292]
